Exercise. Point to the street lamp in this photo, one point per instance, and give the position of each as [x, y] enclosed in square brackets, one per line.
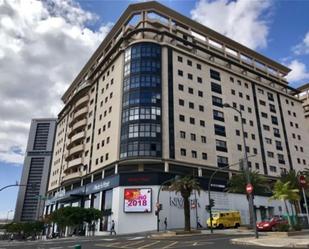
[246, 170]
[17, 185]
[158, 199]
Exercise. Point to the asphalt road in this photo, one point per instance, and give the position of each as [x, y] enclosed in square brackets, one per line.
[216, 241]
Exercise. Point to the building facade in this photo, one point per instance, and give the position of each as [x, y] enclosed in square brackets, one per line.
[35, 174]
[148, 105]
[303, 95]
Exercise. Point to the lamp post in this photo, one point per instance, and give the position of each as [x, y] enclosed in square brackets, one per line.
[7, 216]
[17, 185]
[246, 170]
[158, 199]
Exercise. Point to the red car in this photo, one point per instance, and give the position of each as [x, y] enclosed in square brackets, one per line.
[271, 224]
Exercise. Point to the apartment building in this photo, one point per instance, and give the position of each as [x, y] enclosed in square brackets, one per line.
[148, 105]
[303, 95]
[35, 174]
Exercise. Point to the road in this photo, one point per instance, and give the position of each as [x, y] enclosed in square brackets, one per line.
[214, 241]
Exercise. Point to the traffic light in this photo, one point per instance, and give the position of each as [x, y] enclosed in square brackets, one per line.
[211, 202]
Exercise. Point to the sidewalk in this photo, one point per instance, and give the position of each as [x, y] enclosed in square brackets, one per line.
[269, 241]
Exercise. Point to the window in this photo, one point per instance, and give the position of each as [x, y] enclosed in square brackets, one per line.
[217, 101]
[194, 154]
[202, 123]
[199, 80]
[276, 132]
[257, 166]
[261, 91]
[237, 132]
[215, 75]
[268, 140]
[264, 115]
[220, 130]
[192, 120]
[270, 154]
[203, 139]
[182, 118]
[189, 63]
[240, 94]
[266, 127]
[262, 102]
[233, 92]
[272, 108]
[249, 110]
[232, 79]
[281, 158]
[239, 147]
[236, 119]
[270, 96]
[190, 90]
[106, 156]
[251, 122]
[107, 140]
[190, 76]
[221, 145]
[274, 120]
[180, 72]
[222, 161]
[204, 156]
[179, 58]
[279, 145]
[201, 108]
[191, 105]
[247, 97]
[200, 93]
[180, 87]
[272, 168]
[181, 102]
[216, 88]
[198, 66]
[217, 115]
[182, 134]
[183, 152]
[193, 137]
[253, 136]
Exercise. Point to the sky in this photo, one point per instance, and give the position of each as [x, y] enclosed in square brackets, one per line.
[44, 44]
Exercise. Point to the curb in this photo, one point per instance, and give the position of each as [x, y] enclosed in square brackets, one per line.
[255, 243]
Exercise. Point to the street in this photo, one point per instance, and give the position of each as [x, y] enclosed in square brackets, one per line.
[131, 242]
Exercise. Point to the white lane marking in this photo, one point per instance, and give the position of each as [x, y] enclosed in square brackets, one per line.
[150, 244]
[170, 245]
[108, 239]
[129, 244]
[59, 247]
[195, 244]
[136, 238]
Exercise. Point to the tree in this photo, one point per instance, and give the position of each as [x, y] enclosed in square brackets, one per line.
[238, 182]
[284, 192]
[185, 186]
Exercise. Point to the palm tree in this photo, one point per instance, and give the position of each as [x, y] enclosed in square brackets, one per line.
[238, 182]
[283, 191]
[185, 186]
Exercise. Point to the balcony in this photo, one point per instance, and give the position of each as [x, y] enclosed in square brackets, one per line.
[73, 163]
[74, 150]
[72, 176]
[81, 102]
[78, 136]
[79, 124]
[78, 115]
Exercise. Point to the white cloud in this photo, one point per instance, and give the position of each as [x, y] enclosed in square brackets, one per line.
[303, 47]
[43, 46]
[299, 71]
[242, 20]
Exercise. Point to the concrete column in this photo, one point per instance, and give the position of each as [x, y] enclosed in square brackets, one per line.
[166, 167]
[103, 171]
[116, 168]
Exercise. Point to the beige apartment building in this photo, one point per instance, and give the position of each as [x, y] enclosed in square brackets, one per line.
[149, 105]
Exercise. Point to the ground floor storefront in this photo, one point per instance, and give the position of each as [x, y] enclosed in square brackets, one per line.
[129, 199]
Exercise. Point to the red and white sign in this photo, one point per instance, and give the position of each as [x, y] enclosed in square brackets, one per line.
[302, 181]
[249, 188]
[137, 200]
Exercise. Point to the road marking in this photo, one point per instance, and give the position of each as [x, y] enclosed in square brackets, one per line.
[195, 244]
[170, 245]
[150, 244]
[136, 238]
[59, 247]
[129, 244]
[108, 239]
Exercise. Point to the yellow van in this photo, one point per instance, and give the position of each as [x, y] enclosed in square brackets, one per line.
[225, 219]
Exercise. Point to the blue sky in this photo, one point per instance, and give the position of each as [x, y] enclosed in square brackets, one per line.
[44, 44]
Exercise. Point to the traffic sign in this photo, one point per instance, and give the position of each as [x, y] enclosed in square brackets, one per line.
[302, 181]
[249, 188]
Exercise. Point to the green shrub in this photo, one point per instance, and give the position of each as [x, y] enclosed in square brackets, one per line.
[297, 227]
[283, 227]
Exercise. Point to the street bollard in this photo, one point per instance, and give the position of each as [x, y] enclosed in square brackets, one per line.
[78, 247]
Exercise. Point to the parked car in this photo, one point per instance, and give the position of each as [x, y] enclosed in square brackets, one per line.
[225, 219]
[271, 224]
